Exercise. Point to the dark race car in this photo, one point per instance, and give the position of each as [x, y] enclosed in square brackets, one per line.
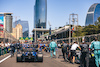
[29, 54]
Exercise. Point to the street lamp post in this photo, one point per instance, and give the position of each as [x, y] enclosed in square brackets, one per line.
[73, 20]
[49, 30]
[77, 26]
[35, 33]
[4, 36]
[69, 30]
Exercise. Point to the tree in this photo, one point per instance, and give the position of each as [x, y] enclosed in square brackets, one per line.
[78, 32]
[98, 28]
[99, 19]
[87, 30]
[59, 27]
[90, 29]
[97, 22]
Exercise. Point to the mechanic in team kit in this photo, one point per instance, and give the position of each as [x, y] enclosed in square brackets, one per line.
[84, 61]
[96, 46]
[41, 46]
[65, 48]
[12, 46]
[53, 47]
[18, 45]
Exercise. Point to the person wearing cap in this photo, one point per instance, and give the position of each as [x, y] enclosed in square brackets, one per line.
[40, 46]
[53, 47]
[18, 45]
[12, 46]
[65, 48]
[96, 46]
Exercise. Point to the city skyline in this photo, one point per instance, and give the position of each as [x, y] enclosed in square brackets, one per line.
[57, 10]
[25, 27]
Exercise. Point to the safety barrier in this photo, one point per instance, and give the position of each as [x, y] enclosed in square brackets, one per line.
[4, 50]
[86, 38]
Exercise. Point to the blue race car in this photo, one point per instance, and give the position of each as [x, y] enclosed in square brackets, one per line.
[29, 54]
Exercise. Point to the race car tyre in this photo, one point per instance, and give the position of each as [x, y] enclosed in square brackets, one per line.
[18, 59]
[40, 57]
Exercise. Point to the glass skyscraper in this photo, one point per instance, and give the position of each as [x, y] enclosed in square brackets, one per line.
[25, 27]
[40, 14]
[93, 14]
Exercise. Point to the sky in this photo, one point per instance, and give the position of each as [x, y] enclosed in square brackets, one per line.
[57, 11]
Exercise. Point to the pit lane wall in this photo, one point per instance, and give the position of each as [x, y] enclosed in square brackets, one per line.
[4, 50]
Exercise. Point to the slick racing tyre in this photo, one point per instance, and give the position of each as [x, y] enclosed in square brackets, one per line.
[40, 57]
[18, 59]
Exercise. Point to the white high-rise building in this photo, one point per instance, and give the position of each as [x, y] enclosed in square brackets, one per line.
[6, 22]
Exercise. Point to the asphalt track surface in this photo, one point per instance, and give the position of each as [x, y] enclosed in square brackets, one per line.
[47, 62]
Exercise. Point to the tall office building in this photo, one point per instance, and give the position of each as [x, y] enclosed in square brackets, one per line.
[6, 21]
[25, 27]
[40, 14]
[93, 14]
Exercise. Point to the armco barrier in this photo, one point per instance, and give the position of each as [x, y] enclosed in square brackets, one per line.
[3, 51]
[0, 51]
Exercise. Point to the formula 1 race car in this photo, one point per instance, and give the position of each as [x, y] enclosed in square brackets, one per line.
[29, 54]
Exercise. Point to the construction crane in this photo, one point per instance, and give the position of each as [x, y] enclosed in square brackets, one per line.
[16, 20]
[49, 24]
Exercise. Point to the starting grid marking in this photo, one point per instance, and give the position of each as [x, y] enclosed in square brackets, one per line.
[10, 56]
[5, 58]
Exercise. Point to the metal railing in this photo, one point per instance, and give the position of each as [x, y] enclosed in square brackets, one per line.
[4, 50]
[87, 38]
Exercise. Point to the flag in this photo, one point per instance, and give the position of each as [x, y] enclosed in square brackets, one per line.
[72, 29]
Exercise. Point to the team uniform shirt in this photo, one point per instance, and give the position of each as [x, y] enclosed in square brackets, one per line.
[96, 46]
[53, 44]
[46, 44]
[12, 46]
[23, 45]
[41, 45]
[59, 45]
[2, 45]
[6, 44]
[74, 46]
[9, 44]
